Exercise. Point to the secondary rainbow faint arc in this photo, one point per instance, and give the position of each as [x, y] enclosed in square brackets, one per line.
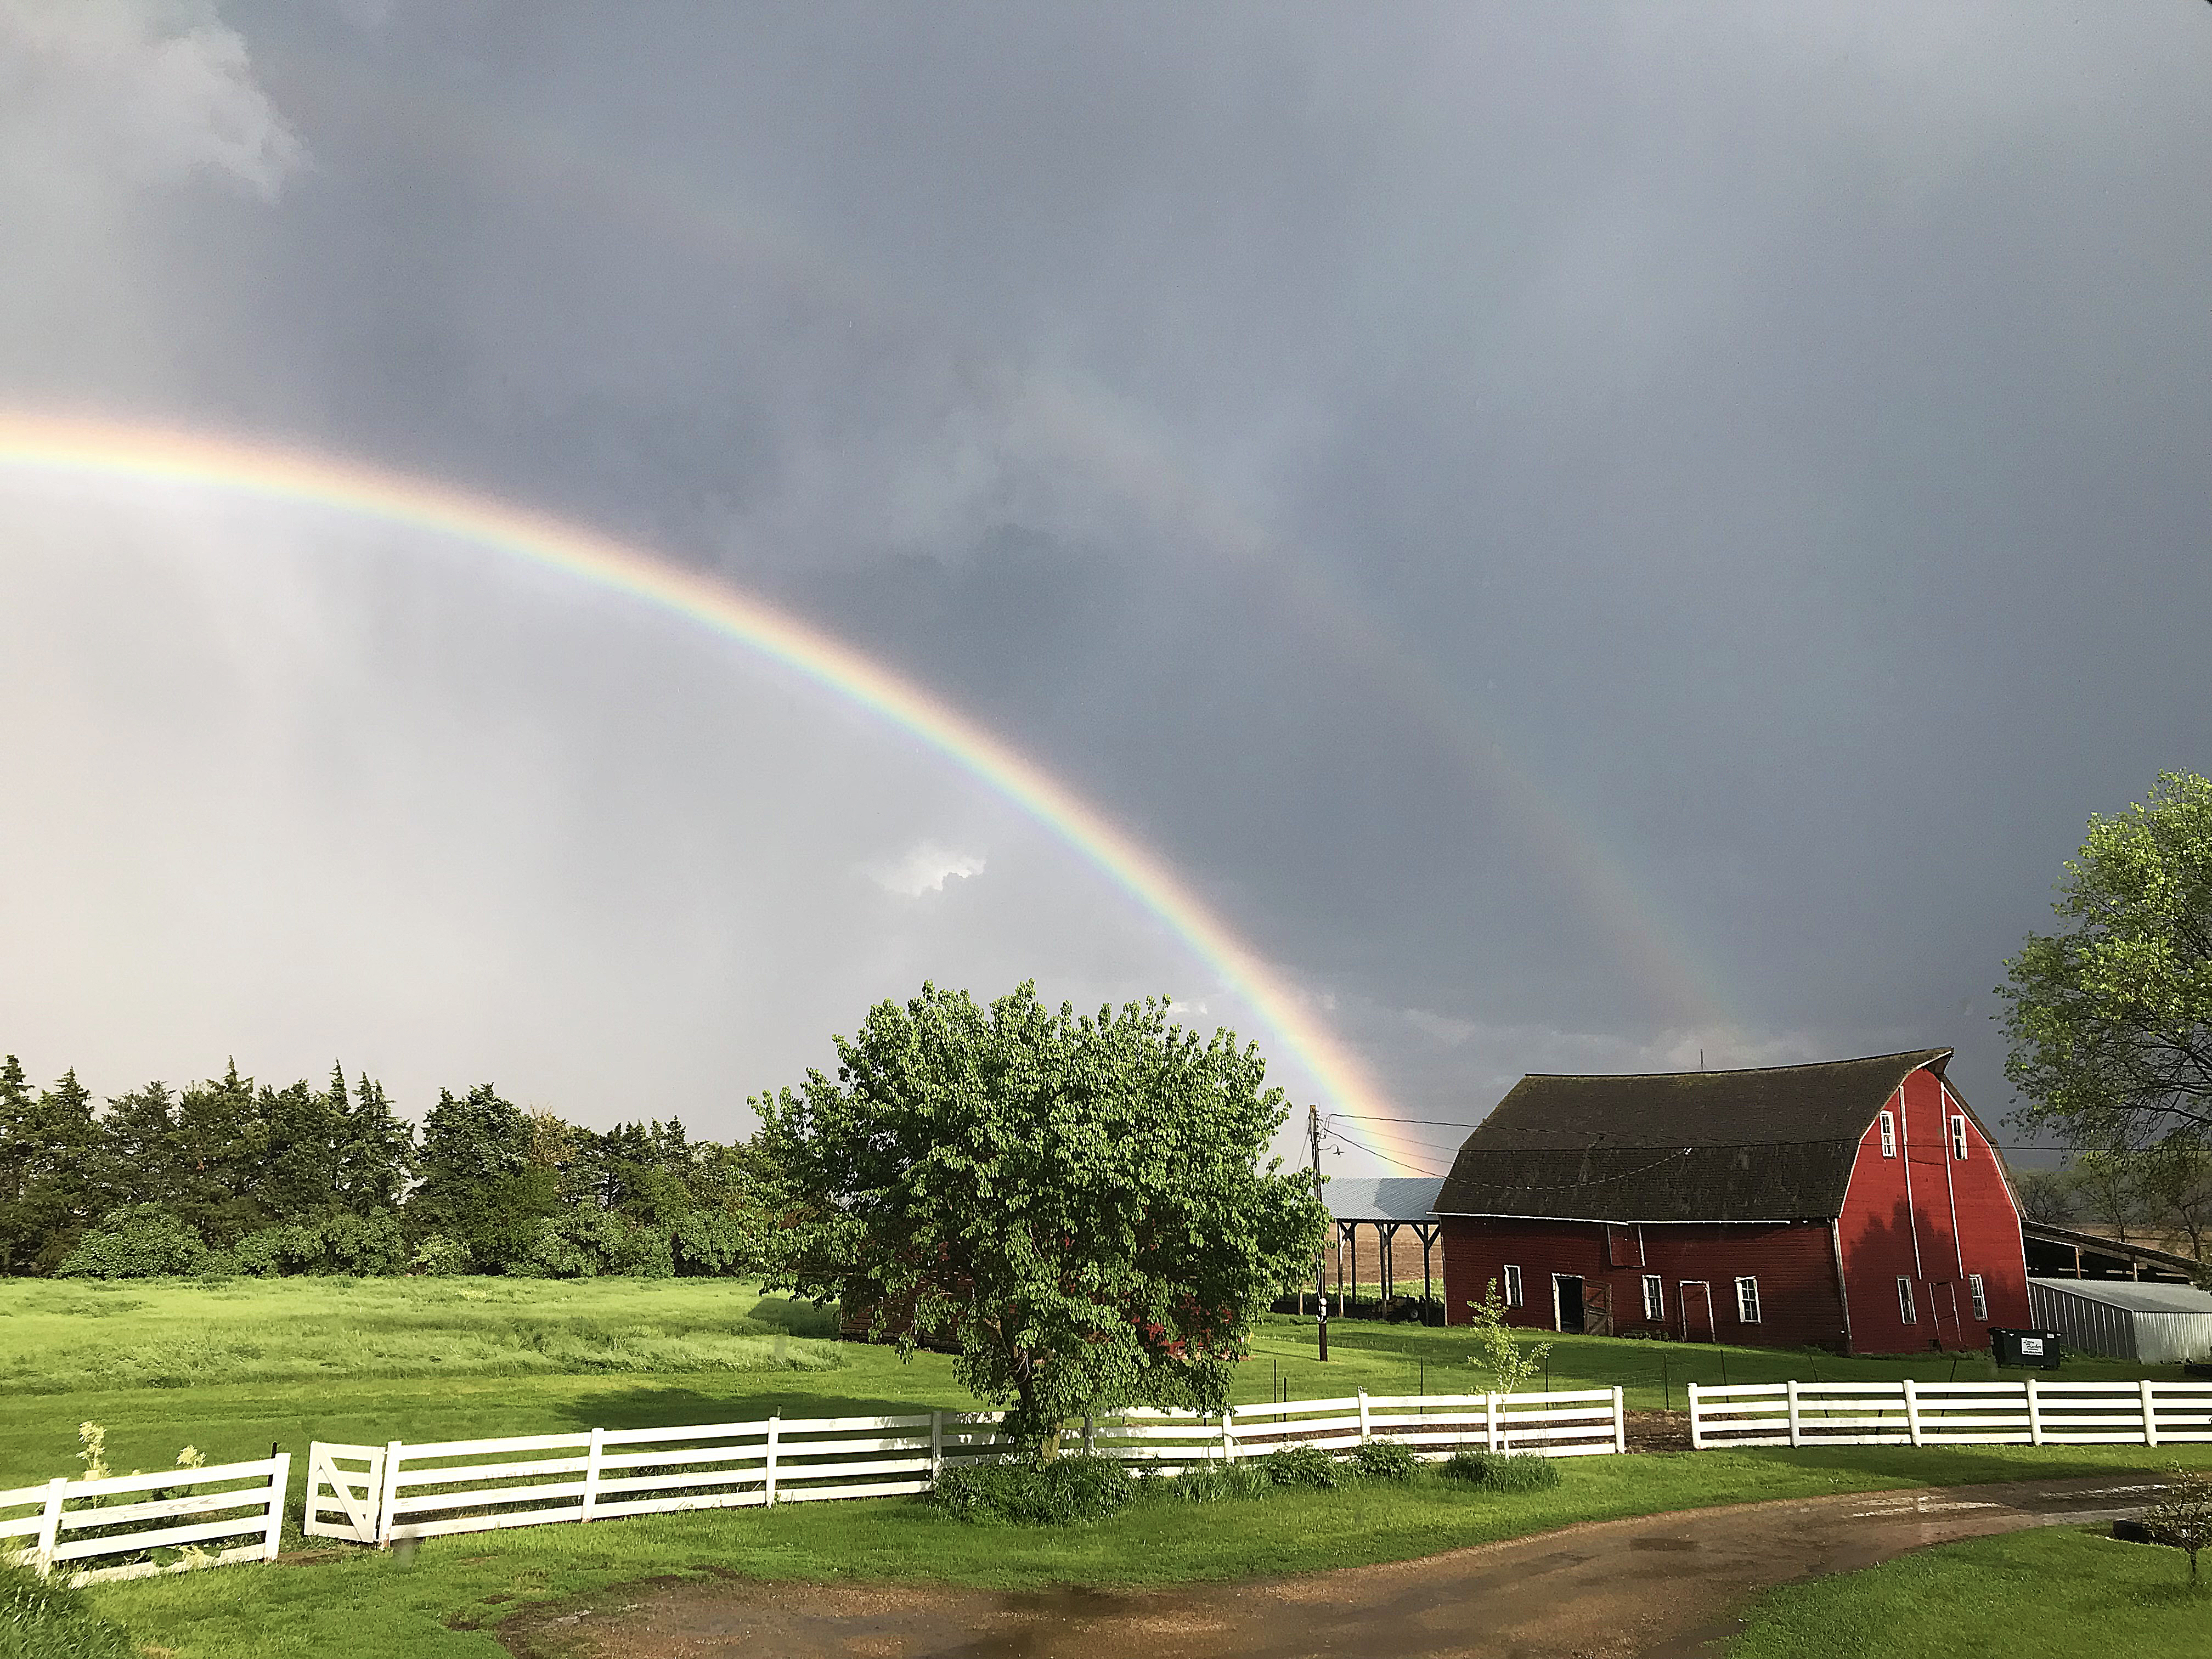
[165, 455]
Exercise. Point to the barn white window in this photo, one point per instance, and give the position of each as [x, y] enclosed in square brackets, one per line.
[1981, 1298]
[1905, 1310]
[1747, 1300]
[1654, 1297]
[1889, 1134]
[1957, 1134]
[1512, 1286]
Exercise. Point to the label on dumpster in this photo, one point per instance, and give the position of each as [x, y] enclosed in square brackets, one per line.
[2031, 1345]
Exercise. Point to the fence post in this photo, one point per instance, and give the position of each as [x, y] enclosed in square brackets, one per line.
[1697, 1423]
[1362, 1417]
[1228, 1438]
[1490, 1422]
[2034, 1413]
[1620, 1420]
[2150, 1412]
[775, 1424]
[272, 1533]
[591, 1473]
[49, 1524]
[387, 1497]
[1912, 1411]
[937, 1444]
[1797, 1427]
[1090, 1435]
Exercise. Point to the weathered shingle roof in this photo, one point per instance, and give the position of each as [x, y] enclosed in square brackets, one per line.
[1383, 1198]
[1772, 1144]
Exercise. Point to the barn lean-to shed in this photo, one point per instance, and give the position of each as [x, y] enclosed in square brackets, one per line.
[2149, 1324]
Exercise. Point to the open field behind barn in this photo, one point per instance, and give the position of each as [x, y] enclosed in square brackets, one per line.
[231, 1366]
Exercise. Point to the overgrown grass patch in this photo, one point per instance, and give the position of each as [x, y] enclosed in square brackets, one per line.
[2050, 1593]
[40, 1618]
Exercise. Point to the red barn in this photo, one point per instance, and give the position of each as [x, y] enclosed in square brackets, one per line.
[1855, 1206]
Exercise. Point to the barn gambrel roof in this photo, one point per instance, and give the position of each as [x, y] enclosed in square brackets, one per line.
[1771, 1145]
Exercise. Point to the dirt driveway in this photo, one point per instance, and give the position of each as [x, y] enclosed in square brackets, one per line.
[1653, 1587]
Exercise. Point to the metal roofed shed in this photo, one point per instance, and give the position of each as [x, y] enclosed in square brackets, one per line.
[1367, 1214]
[2149, 1324]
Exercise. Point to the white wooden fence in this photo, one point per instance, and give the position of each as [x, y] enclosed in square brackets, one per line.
[1911, 1413]
[381, 1494]
[76, 1521]
[1565, 1424]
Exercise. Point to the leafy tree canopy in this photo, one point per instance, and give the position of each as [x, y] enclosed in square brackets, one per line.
[2111, 1018]
[1075, 1203]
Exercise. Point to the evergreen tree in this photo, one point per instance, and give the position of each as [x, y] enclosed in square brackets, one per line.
[481, 1186]
[300, 1130]
[220, 1146]
[139, 1130]
[53, 1171]
[376, 1152]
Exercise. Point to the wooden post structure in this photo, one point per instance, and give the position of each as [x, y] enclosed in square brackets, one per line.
[1796, 1426]
[387, 1498]
[49, 1525]
[775, 1425]
[591, 1456]
[2149, 1410]
[2034, 1413]
[1912, 1411]
[272, 1534]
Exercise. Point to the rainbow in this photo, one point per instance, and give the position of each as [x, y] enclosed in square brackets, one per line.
[161, 456]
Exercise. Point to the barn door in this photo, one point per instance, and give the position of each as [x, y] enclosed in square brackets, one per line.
[1697, 1311]
[1567, 1303]
[1597, 1309]
[1944, 1298]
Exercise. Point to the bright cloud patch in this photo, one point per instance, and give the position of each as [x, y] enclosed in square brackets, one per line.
[924, 868]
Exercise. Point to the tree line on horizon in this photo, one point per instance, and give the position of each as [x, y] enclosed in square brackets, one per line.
[231, 1176]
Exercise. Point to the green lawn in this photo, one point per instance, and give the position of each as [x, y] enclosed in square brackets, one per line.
[234, 1367]
[2053, 1593]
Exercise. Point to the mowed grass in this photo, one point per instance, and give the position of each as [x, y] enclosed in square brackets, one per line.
[2054, 1592]
[233, 1367]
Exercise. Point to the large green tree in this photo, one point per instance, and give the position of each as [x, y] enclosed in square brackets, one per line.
[2111, 1018]
[1076, 1203]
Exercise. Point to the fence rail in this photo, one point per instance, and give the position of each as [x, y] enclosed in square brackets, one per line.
[1913, 1413]
[70, 1522]
[381, 1494]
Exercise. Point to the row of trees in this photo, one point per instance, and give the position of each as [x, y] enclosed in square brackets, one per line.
[306, 1179]
[1075, 1204]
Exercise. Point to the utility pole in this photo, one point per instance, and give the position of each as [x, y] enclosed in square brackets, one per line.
[1321, 1266]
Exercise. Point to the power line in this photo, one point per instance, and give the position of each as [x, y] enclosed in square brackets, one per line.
[1338, 1135]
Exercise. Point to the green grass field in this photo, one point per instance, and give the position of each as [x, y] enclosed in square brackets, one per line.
[233, 1367]
[2054, 1592]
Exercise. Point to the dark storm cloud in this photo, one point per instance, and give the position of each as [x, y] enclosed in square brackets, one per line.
[1774, 435]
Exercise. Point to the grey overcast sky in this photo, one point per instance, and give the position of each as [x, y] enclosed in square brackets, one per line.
[1588, 533]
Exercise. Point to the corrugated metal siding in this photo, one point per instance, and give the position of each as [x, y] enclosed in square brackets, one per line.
[2165, 1338]
[2149, 1339]
[2090, 1326]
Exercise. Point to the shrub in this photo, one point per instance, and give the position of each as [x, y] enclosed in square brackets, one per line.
[440, 1257]
[42, 1619]
[1211, 1483]
[1385, 1460]
[1504, 1471]
[366, 1244]
[1303, 1466]
[275, 1251]
[140, 1241]
[1032, 1491]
